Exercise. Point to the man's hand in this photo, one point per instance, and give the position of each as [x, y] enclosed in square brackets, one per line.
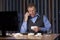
[26, 16]
[36, 29]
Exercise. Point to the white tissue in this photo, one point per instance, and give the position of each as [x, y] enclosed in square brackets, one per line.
[30, 34]
[38, 34]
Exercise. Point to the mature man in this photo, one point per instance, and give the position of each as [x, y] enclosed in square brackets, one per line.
[33, 19]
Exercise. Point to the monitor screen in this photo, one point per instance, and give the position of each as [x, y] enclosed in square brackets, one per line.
[8, 21]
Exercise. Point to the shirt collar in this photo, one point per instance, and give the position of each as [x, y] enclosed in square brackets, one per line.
[37, 15]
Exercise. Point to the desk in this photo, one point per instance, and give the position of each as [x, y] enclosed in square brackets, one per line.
[25, 37]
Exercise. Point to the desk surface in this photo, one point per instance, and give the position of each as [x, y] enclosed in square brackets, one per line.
[43, 37]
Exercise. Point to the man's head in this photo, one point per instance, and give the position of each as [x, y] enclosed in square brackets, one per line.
[31, 9]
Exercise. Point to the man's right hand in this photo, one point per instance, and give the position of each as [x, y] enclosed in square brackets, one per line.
[26, 16]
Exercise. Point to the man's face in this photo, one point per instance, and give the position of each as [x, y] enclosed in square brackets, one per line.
[31, 10]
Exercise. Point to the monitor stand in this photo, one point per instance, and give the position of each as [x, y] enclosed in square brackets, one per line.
[4, 34]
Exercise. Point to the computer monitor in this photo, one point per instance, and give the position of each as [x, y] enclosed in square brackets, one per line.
[8, 21]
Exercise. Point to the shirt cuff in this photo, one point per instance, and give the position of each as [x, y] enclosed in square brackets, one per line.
[43, 29]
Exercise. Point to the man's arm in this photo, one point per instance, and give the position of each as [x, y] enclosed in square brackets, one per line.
[23, 27]
[47, 24]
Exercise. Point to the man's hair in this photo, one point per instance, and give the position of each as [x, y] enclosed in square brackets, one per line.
[31, 5]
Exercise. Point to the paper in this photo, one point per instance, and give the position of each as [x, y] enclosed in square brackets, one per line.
[32, 27]
[17, 34]
[30, 34]
[38, 34]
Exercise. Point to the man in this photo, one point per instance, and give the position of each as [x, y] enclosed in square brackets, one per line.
[32, 18]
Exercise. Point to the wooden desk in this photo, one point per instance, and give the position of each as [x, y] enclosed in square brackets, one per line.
[25, 37]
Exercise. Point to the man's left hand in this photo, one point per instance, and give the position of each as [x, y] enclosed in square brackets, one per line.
[36, 29]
